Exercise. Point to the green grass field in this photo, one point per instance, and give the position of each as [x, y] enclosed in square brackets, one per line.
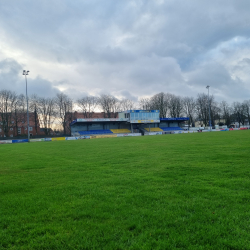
[188, 191]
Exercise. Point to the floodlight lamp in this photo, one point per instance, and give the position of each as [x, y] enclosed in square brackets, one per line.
[207, 86]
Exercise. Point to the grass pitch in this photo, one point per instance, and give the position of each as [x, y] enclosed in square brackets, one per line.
[188, 191]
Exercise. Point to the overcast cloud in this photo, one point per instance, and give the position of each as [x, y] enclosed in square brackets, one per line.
[126, 48]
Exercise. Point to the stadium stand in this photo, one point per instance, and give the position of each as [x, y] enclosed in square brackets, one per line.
[154, 129]
[95, 132]
[129, 121]
[120, 131]
[171, 128]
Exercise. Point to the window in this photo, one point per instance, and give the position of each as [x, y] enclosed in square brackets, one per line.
[11, 135]
[19, 130]
[0, 130]
[30, 128]
[11, 129]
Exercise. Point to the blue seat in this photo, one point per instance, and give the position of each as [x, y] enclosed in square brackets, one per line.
[95, 132]
[171, 128]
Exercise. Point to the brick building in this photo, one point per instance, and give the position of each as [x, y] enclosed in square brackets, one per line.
[12, 125]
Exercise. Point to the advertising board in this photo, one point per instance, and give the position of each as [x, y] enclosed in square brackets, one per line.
[77, 137]
[101, 136]
[35, 140]
[20, 140]
[58, 139]
[129, 134]
[226, 129]
[71, 138]
[5, 141]
[153, 133]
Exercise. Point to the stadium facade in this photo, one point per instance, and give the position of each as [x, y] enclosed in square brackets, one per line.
[128, 122]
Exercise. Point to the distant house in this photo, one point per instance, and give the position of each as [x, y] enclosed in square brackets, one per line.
[16, 125]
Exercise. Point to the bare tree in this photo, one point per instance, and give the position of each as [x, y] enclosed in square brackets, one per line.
[238, 113]
[34, 107]
[109, 104]
[45, 107]
[246, 108]
[226, 112]
[175, 106]
[19, 114]
[202, 107]
[87, 105]
[214, 110]
[160, 102]
[126, 104]
[7, 107]
[116, 108]
[144, 103]
[64, 111]
[189, 108]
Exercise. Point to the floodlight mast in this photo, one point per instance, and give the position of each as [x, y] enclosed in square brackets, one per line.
[209, 108]
[25, 73]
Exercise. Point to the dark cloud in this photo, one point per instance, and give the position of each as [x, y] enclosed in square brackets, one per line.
[127, 48]
[11, 78]
[9, 71]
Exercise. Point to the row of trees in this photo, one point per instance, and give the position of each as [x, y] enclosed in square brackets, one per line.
[45, 111]
[60, 109]
[197, 109]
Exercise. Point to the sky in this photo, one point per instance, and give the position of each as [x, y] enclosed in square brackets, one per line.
[127, 48]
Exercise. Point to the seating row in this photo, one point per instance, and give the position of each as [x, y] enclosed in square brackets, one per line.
[120, 131]
[154, 129]
[95, 132]
[171, 128]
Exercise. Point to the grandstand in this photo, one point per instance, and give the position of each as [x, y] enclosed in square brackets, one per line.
[128, 122]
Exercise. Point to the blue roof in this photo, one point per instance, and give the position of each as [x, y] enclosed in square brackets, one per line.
[141, 111]
[175, 119]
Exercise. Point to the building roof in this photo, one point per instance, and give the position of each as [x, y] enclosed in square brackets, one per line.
[175, 119]
[140, 111]
[78, 115]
